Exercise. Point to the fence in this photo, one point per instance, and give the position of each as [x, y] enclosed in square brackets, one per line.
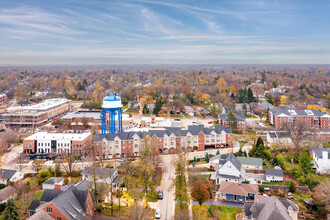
[284, 188]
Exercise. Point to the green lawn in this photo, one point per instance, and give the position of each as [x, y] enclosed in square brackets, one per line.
[38, 194]
[275, 183]
[75, 179]
[186, 115]
[250, 116]
[228, 213]
[176, 116]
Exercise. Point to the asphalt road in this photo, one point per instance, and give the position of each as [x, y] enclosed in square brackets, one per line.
[167, 204]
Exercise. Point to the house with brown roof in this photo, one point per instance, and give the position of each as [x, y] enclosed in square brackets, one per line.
[239, 192]
[7, 193]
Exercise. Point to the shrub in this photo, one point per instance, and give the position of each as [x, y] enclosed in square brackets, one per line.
[261, 189]
[2, 186]
[291, 187]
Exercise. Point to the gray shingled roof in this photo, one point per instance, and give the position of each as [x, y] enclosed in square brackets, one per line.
[266, 104]
[299, 112]
[193, 129]
[272, 134]
[239, 117]
[231, 157]
[250, 161]
[34, 204]
[319, 151]
[104, 172]
[7, 174]
[273, 172]
[269, 208]
[49, 195]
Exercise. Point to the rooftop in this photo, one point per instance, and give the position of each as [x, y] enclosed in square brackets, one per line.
[58, 136]
[47, 104]
[319, 151]
[273, 172]
[238, 188]
[250, 161]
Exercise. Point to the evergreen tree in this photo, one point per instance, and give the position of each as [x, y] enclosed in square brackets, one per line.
[218, 152]
[291, 187]
[250, 95]
[207, 159]
[232, 120]
[259, 149]
[11, 211]
[306, 162]
[158, 106]
[145, 109]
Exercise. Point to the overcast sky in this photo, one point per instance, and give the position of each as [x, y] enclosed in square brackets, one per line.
[164, 32]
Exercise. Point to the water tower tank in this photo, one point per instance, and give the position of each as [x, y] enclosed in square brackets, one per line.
[110, 108]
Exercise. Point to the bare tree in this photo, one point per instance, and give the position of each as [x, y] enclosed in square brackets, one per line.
[25, 195]
[137, 211]
[68, 162]
[37, 166]
[322, 195]
[20, 162]
[299, 132]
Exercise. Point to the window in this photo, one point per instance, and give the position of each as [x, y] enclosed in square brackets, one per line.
[49, 210]
[58, 218]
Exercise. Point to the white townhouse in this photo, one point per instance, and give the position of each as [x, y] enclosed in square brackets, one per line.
[321, 158]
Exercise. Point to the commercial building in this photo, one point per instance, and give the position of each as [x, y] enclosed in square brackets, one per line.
[169, 140]
[3, 99]
[39, 114]
[85, 119]
[43, 143]
[280, 118]
[225, 121]
[321, 157]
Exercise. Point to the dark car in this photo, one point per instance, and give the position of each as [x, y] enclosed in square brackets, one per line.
[160, 194]
[177, 119]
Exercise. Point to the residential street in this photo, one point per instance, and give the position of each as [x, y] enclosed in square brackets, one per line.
[167, 205]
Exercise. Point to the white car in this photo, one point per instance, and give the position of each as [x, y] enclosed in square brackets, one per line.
[157, 214]
[200, 156]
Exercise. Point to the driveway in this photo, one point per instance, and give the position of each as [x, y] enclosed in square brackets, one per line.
[222, 203]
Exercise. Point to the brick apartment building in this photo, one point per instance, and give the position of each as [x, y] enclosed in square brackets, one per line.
[39, 114]
[43, 143]
[169, 140]
[241, 123]
[279, 118]
[3, 99]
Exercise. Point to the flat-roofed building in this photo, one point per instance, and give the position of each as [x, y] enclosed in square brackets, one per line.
[38, 114]
[311, 118]
[44, 143]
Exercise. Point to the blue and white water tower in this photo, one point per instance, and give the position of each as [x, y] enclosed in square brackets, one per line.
[111, 105]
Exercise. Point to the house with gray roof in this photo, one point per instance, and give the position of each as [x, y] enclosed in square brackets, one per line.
[103, 175]
[270, 208]
[250, 162]
[274, 175]
[11, 175]
[266, 104]
[70, 203]
[321, 158]
[278, 137]
[228, 169]
[225, 121]
[52, 182]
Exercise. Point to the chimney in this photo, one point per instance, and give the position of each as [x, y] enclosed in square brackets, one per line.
[292, 213]
[57, 186]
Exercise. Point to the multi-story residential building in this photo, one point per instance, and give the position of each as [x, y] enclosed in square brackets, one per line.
[321, 157]
[39, 114]
[225, 121]
[44, 143]
[280, 118]
[3, 99]
[169, 140]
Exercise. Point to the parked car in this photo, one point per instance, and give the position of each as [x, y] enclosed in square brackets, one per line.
[157, 214]
[210, 122]
[122, 160]
[160, 194]
[132, 159]
[177, 119]
[200, 156]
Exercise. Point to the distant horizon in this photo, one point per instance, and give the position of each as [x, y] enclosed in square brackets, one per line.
[121, 32]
